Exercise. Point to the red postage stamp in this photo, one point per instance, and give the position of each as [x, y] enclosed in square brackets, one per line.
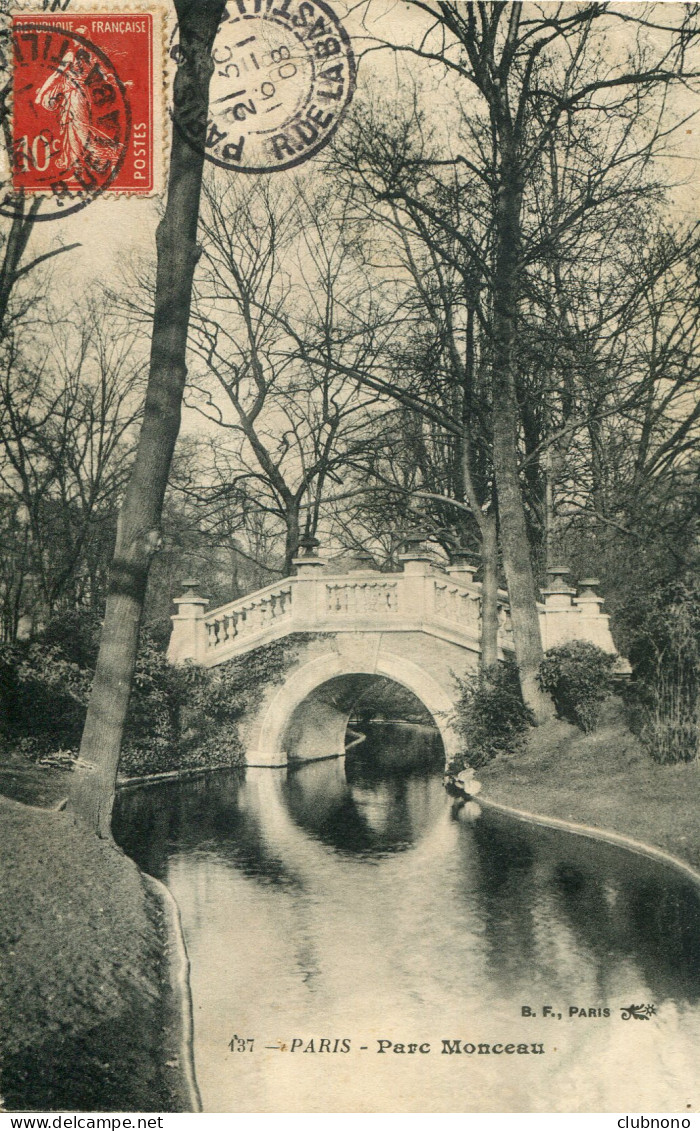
[83, 117]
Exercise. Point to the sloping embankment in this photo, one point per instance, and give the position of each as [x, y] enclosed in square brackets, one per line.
[86, 1025]
[605, 780]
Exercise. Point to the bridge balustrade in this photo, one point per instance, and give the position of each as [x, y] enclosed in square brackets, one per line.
[421, 598]
[247, 618]
[458, 605]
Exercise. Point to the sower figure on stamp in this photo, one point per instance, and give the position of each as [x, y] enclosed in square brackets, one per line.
[83, 146]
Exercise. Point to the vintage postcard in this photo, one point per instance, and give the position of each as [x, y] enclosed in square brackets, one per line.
[350, 531]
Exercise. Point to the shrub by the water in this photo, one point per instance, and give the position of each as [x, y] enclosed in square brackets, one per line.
[188, 717]
[579, 677]
[491, 717]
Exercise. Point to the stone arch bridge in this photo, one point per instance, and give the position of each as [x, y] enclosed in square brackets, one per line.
[418, 627]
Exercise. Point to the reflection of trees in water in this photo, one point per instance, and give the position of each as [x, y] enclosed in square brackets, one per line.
[142, 827]
[214, 813]
[504, 896]
[624, 907]
[394, 750]
[605, 906]
[667, 918]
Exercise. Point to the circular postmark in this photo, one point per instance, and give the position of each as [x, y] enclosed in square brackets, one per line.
[284, 74]
[71, 120]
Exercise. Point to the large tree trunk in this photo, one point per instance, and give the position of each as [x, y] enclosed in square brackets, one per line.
[511, 513]
[489, 591]
[138, 532]
[486, 522]
[484, 518]
[291, 541]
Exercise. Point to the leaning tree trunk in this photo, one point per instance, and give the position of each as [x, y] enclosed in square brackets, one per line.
[511, 512]
[138, 530]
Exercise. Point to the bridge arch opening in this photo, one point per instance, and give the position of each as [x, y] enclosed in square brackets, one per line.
[307, 718]
[386, 701]
[337, 715]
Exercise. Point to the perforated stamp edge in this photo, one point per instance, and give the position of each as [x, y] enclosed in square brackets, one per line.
[161, 92]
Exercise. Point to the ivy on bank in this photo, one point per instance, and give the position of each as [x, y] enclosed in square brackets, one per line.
[188, 717]
[180, 717]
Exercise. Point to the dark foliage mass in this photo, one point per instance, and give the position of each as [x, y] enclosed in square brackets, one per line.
[491, 717]
[579, 677]
[179, 717]
[664, 696]
[386, 700]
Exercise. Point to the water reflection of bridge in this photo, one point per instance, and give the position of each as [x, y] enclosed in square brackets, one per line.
[417, 628]
[536, 903]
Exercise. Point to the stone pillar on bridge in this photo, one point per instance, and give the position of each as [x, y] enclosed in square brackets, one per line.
[308, 568]
[559, 618]
[188, 639]
[416, 595]
[461, 569]
[594, 623]
[567, 617]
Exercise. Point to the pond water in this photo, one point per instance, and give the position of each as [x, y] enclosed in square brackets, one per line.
[346, 903]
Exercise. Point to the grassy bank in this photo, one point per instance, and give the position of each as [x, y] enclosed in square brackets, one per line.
[604, 779]
[83, 969]
[23, 781]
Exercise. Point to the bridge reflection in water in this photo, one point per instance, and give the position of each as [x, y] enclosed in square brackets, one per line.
[346, 899]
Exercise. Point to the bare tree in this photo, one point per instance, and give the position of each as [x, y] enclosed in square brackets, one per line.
[527, 79]
[627, 479]
[68, 403]
[275, 270]
[436, 361]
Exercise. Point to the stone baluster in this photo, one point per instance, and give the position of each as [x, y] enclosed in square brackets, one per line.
[471, 609]
[252, 617]
[188, 640]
